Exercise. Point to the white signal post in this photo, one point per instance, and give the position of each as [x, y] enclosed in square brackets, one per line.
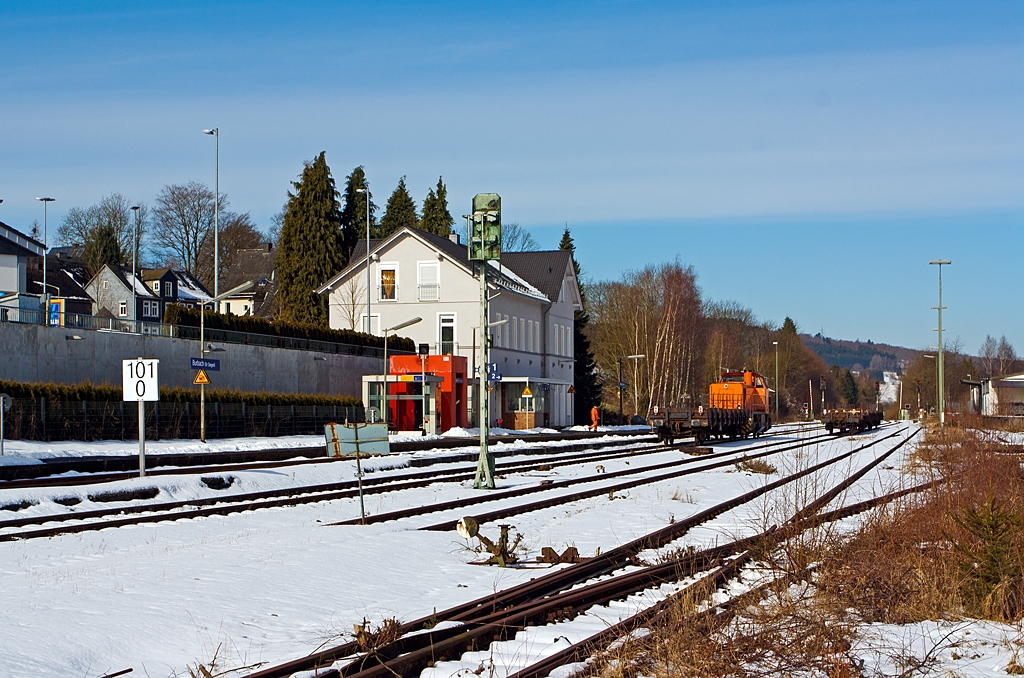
[140, 382]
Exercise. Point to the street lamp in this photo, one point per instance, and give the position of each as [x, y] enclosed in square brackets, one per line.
[46, 295]
[940, 307]
[203, 350]
[776, 344]
[215, 133]
[369, 281]
[135, 256]
[399, 326]
[620, 359]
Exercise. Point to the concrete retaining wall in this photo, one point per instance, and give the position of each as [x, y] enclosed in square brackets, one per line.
[39, 353]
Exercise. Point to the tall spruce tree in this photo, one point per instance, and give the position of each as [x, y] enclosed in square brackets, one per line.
[312, 246]
[436, 217]
[102, 247]
[400, 211]
[585, 380]
[353, 216]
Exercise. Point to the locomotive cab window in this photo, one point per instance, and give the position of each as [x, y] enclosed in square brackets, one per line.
[759, 383]
[729, 378]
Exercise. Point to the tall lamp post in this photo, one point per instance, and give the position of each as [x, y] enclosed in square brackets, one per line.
[369, 279]
[135, 258]
[776, 344]
[215, 133]
[621, 358]
[46, 295]
[202, 350]
[940, 307]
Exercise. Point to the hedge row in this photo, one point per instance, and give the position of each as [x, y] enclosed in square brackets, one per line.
[177, 314]
[109, 393]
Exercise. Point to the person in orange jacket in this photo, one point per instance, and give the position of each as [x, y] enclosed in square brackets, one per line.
[595, 416]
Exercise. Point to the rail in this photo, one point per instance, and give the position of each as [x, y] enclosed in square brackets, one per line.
[79, 321]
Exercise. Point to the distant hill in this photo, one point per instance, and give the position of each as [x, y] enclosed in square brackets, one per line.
[860, 355]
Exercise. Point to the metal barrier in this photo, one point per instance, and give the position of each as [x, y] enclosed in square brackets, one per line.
[102, 324]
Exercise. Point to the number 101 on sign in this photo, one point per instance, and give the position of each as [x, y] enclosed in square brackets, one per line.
[139, 379]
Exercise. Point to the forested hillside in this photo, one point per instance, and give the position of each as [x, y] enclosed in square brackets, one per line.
[860, 355]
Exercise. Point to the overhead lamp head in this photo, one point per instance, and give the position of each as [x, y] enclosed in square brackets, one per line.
[361, 190]
[135, 208]
[940, 262]
[45, 199]
[211, 131]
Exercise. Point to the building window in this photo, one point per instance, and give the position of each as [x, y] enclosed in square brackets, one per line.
[522, 334]
[429, 281]
[168, 289]
[150, 309]
[515, 333]
[156, 286]
[388, 284]
[227, 307]
[122, 308]
[536, 337]
[446, 334]
[104, 284]
[529, 336]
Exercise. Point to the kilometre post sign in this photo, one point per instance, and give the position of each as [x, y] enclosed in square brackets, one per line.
[139, 379]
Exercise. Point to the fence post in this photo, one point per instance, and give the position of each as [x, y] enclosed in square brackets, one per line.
[42, 419]
[85, 422]
[293, 419]
[121, 403]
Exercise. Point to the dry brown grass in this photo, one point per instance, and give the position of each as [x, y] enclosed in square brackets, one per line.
[955, 551]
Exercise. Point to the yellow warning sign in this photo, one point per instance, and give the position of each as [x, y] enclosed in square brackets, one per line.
[201, 379]
[527, 393]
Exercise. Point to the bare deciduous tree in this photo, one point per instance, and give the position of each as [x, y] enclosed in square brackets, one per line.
[351, 302]
[115, 210]
[183, 220]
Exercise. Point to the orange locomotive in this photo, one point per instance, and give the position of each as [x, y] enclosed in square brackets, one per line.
[736, 407]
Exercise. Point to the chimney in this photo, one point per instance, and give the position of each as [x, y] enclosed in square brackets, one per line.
[454, 237]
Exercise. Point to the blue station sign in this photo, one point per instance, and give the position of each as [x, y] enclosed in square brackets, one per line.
[206, 364]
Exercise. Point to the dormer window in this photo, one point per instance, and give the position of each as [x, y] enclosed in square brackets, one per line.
[156, 286]
[168, 289]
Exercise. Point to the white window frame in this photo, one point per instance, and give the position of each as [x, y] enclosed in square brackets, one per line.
[421, 293]
[387, 266]
[455, 330]
[104, 284]
[374, 321]
[529, 336]
[156, 286]
[522, 334]
[122, 309]
[168, 289]
[515, 333]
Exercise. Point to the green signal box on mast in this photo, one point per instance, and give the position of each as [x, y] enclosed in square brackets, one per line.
[485, 228]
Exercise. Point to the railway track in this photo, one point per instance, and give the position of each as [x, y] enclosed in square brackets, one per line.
[564, 592]
[85, 521]
[127, 465]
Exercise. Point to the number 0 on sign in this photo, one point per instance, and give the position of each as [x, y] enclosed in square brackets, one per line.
[139, 379]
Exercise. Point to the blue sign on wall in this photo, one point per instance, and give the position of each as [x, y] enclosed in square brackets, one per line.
[206, 364]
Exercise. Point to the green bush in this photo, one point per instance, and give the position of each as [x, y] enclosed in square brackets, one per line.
[109, 393]
[189, 317]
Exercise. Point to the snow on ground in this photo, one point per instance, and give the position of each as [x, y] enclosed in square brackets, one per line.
[29, 451]
[275, 584]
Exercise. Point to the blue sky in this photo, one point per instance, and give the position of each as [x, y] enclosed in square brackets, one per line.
[807, 158]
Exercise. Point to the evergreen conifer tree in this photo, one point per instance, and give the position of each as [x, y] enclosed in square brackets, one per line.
[101, 248]
[585, 381]
[400, 211]
[436, 217]
[312, 246]
[353, 216]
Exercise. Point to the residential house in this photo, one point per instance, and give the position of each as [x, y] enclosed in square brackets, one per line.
[16, 249]
[111, 291]
[257, 265]
[533, 295]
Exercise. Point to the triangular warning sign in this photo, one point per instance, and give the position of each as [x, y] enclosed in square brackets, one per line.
[201, 379]
[572, 389]
[527, 393]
